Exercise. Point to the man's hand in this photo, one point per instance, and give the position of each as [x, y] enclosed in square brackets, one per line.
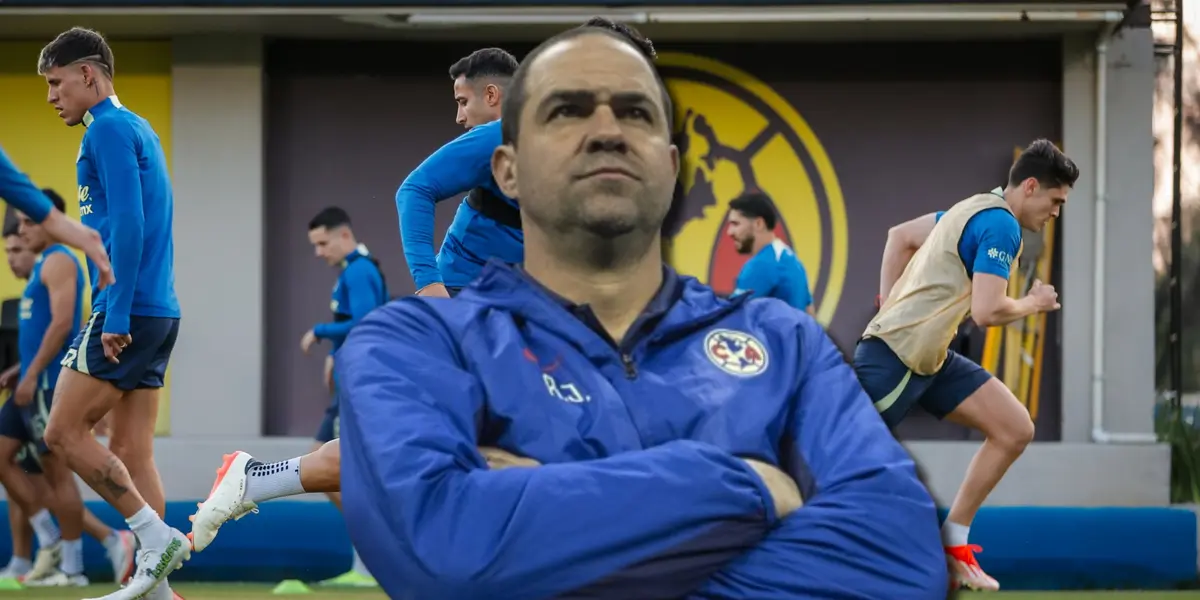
[77, 235]
[329, 373]
[306, 342]
[784, 492]
[1043, 296]
[9, 377]
[114, 344]
[501, 459]
[25, 391]
[434, 290]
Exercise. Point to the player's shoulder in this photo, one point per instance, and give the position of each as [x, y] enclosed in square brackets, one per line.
[997, 220]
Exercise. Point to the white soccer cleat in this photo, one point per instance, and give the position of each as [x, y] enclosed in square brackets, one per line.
[45, 564]
[10, 573]
[59, 579]
[965, 570]
[226, 500]
[123, 557]
[153, 566]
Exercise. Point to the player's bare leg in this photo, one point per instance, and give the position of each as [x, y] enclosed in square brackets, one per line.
[243, 482]
[119, 544]
[61, 497]
[1005, 423]
[23, 492]
[80, 402]
[22, 543]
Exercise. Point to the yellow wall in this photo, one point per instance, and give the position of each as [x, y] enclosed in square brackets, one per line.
[38, 142]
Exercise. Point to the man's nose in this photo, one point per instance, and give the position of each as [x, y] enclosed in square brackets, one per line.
[606, 134]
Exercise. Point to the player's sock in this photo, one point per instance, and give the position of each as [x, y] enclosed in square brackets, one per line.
[359, 567]
[954, 534]
[19, 564]
[72, 557]
[274, 480]
[151, 531]
[44, 528]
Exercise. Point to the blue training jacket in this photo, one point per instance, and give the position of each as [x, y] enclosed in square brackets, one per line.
[641, 493]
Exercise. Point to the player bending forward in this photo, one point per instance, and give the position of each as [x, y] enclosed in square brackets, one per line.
[936, 270]
[118, 362]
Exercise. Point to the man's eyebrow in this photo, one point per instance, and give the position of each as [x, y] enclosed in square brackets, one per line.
[588, 97]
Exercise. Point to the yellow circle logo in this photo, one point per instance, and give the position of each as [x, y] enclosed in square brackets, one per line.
[735, 135]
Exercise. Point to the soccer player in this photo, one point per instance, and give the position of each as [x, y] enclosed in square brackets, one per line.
[49, 318]
[119, 360]
[487, 224]
[360, 288]
[773, 270]
[662, 439]
[243, 482]
[16, 189]
[936, 270]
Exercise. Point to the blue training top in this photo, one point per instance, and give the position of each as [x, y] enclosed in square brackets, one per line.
[775, 272]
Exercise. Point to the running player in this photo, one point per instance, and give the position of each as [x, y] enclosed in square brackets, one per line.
[119, 360]
[243, 482]
[49, 319]
[773, 270]
[360, 288]
[936, 270]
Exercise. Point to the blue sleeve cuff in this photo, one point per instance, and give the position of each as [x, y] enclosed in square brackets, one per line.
[114, 323]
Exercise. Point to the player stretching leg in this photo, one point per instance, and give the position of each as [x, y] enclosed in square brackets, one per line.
[936, 270]
[480, 80]
[119, 360]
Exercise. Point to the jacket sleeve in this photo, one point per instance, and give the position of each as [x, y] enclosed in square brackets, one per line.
[432, 521]
[868, 528]
[456, 168]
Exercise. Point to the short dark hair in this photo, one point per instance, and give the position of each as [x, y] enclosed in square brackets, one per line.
[485, 62]
[74, 45]
[13, 228]
[756, 205]
[329, 218]
[628, 31]
[1043, 161]
[510, 111]
[55, 199]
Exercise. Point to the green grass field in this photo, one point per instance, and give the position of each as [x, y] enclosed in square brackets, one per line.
[263, 592]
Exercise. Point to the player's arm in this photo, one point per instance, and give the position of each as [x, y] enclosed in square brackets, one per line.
[868, 528]
[429, 512]
[999, 241]
[19, 191]
[757, 278]
[60, 275]
[114, 151]
[808, 299]
[364, 287]
[903, 241]
[456, 168]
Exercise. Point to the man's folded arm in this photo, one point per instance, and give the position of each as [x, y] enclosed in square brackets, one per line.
[868, 528]
[432, 521]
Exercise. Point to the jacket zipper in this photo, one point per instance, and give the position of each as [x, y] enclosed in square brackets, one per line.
[630, 368]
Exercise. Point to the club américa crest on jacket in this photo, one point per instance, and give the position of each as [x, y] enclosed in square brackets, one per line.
[736, 352]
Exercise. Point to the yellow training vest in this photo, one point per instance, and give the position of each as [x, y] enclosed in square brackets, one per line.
[922, 313]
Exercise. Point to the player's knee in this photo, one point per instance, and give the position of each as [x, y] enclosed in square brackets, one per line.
[61, 436]
[1016, 434]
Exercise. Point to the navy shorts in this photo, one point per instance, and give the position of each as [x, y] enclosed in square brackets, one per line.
[453, 291]
[27, 424]
[143, 363]
[330, 424]
[895, 389]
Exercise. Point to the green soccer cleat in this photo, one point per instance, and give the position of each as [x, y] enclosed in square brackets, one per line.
[350, 579]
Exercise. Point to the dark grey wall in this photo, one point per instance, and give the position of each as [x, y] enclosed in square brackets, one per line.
[910, 128]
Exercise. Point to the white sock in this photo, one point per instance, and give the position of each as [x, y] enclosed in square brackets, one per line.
[274, 480]
[151, 531]
[45, 528]
[19, 565]
[359, 567]
[954, 534]
[72, 557]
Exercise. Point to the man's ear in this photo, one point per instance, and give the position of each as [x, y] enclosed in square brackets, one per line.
[491, 94]
[675, 160]
[504, 169]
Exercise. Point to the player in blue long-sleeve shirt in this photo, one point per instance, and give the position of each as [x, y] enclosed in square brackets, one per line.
[119, 360]
[667, 435]
[487, 223]
[19, 191]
